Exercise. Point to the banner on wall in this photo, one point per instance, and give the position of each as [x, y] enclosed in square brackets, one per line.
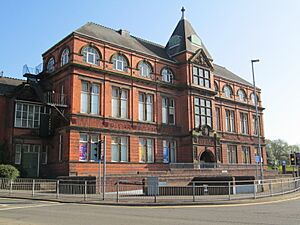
[83, 152]
[166, 155]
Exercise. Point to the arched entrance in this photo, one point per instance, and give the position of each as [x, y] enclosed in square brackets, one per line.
[207, 157]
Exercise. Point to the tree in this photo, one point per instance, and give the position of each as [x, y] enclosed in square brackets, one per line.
[277, 150]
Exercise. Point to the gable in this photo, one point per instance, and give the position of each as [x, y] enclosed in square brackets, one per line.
[201, 59]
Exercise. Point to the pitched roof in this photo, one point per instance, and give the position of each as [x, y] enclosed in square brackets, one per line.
[225, 73]
[8, 84]
[184, 38]
[124, 39]
[183, 29]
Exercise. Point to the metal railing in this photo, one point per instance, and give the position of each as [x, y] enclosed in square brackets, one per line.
[56, 98]
[146, 192]
[204, 165]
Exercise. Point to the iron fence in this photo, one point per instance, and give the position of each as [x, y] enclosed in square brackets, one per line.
[125, 191]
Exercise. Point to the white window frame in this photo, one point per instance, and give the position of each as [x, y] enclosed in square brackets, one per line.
[64, 59]
[244, 123]
[202, 112]
[168, 110]
[167, 75]
[35, 115]
[229, 120]
[146, 148]
[120, 142]
[242, 95]
[227, 91]
[50, 65]
[119, 63]
[146, 107]
[91, 51]
[170, 147]
[120, 97]
[18, 154]
[90, 94]
[145, 69]
[232, 154]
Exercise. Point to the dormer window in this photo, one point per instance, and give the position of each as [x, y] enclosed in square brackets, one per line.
[50, 65]
[167, 75]
[145, 69]
[64, 59]
[227, 91]
[120, 63]
[91, 55]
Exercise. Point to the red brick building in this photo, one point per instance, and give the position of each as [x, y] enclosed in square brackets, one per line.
[154, 105]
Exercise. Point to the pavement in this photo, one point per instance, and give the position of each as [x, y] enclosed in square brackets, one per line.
[280, 210]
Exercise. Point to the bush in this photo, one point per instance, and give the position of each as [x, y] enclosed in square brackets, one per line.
[9, 171]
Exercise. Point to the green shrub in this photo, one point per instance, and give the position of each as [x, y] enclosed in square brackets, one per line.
[9, 171]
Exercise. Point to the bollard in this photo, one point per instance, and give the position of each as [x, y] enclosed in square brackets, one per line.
[85, 190]
[193, 191]
[33, 186]
[118, 191]
[57, 189]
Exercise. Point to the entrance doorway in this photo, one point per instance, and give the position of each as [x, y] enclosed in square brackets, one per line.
[207, 157]
[30, 160]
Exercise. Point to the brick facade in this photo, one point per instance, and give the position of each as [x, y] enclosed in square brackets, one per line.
[68, 121]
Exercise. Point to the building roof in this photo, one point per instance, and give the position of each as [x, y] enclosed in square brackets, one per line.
[8, 84]
[185, 36]
[122, 38]
[225, 73]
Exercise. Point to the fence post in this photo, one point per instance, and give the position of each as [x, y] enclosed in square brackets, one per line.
[118, 190]
[57, 189]
[254, 189]
[194, 191]
[229, 190]
[85, 190]
[271, 187]
[10, 187]
[33, 187]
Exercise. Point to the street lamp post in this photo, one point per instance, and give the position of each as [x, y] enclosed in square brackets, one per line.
[257, 120]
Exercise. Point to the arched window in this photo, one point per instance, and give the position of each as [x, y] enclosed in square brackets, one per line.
[91, 55]
[227, 91]
[64, 59]
[242, 95]
[145, 69]
[252, 97]
[119, 62]
[50, 65]
[167, 75]
[216, 86]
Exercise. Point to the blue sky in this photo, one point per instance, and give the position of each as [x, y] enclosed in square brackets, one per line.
[233, 31]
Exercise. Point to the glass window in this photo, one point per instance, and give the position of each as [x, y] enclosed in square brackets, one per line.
[64, 59]
[145, 69]
[246, 154]
[227, 91]
[203, 113]
[119, 148]
[242, 95]
[119, 103]
[229, 120]
[90, 98]
[167, 75]
[50, 65]
[168, 110]
[169, 151]
[91, 55]
[218, 118]
[232, 154]
[252, 96]
[146, 150]
[244, 123]
[119, 63]
[44, 154]
[216, 86]
[201, 77]
[88, 147]
[27, 115]
[145, 107]
[18, 153]
[256, 125]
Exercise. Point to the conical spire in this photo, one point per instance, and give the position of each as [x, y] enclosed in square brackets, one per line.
[184, 38]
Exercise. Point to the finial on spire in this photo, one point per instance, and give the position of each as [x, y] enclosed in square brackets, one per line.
[182, 12]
